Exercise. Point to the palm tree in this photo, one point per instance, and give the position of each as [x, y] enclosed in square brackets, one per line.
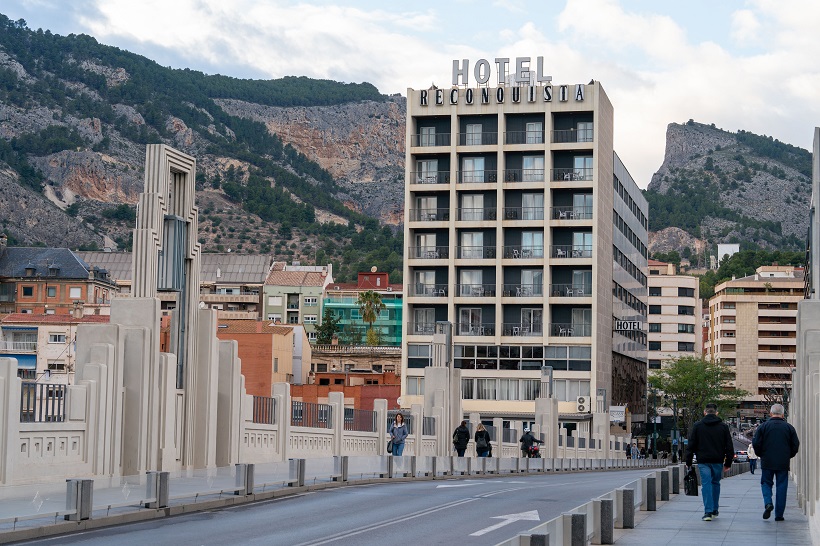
[370, 306]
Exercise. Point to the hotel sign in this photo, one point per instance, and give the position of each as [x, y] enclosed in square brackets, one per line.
[628, 326]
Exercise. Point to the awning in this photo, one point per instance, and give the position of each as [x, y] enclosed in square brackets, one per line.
[25, 362]
[19, 328]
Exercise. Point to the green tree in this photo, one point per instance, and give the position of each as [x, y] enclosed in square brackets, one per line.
[328, 328]
[695, 382]
[370, 306]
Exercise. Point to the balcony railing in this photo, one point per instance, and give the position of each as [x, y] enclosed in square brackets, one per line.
[19, 346]
[523, 251]
[478, 139]
[571, 251]
[264, 410]
[430, 215]
[421, 328]
[476, 329]
[523, 213]
[360, 420]
[427, 177]
[524, 137]
[570, 290]
[476, 252]
[428, 290]
[523, 329]
[570, 175]
[477, 215]
[308, 414]
[571, 330]
[437, 139]
[477, 177]
[475, 290]
[429, 252]
[293, 306]
[572, 135]
[523, 175]
[571, 213]
[523, 290]
[42, 402]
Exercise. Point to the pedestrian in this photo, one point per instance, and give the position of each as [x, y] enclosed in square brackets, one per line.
[398, 433]
[711, 441]
[527, 441]
[775, 443]
[461, 437]
[643, 453]
[752, 458]
[483, 448]
[634, 452]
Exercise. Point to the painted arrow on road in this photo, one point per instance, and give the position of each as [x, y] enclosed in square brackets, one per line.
[532, 515]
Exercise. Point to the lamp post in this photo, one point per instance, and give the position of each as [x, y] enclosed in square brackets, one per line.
[654, 424]
[677, 441]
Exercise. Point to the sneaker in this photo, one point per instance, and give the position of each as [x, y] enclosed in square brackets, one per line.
[768, 511]
[779, 518]
[707, 517]
[715, 514]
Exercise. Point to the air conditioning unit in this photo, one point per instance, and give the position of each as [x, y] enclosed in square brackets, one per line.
[583, 404]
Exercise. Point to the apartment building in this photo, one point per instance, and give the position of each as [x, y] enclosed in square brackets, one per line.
[293, 294]
[753, 329]
[342, 298]
[526, 232]
[674, 315]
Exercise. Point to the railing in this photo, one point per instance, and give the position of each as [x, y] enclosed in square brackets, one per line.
[571, 251]
[430, 290]
[42, 402]
[430, 215]
[364, 349]
[437, 139]
[477, 177]
[430, 177]
[509, 435]
[571, 330]
[429, 252]
[477, 215]
[19, 346]
[478, 139]
[360, 420]
[524, 137]
[308, 414]
[476, 252]
[570, 290]
[570, 175]
[572, 135]
[264, 410]
[523, 213]
[475, 290]
[479, 329]
[421, 328]
[523, 329]
[428, 426]
[524, 251]
[293, 306]
[524, 175]
[523, 290]
[571, 213]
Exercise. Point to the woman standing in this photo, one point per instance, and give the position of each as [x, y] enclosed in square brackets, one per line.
[752, 458]
[398, 433]
[483, 448]
[461, 437]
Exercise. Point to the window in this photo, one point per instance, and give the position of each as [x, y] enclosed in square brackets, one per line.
[275, 301]
[293, 319]
[530, 389]
[426, 243]
[584, 131]
[310, 301]
[470, 282]
[28, 291]
[729, 305]
[275, 317]
[654, 309]
[568, 390]
[581, 245]
[428, 136]
[686, 310]
[427, 171]
[686, 328]
[532, 244]
[467, 389]
[686, 292]
[52, 311]
[419, 356]
[686, 346]
[415, 386]
[582, 166]
[532, 206]
[75, 292]
[472, 244]
[532, 168]
[472, 206]
[310, 319]
[312, 336]
[485, 389]
[508, 389]
[473, 134]
[654, 345]
[654, 290]
[654, 364]
[654, 326]
[535, 133]
[472, 169]
[52, 292]
[469, 320]
[56, 338]
[275, 365]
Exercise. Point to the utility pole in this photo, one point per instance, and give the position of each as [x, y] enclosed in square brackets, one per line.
[677, 442]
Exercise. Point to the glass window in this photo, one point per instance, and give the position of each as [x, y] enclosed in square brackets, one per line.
[274, 301]
[532, 281]
[654, 326]
[56, 338]
[428, 136]
[426, 243]
[415, 386]
[654, 290]
[654, 309]
[532, 244]
[473, 134]
[532, 320]
[686, 346]
[582, 167]
[535, 133]
[686, 292]
[508, 389]
[532, 168]
[472, 244]
[530, 389]
[75, 292]
[532, 206]
[560, 386]
[52, 292]
[467, 389]
[654, 364]
[654, 345]
[28, 291]
[469, 320]
[582, 206]
[485, 389]
[427, 171]
[310, 319]
[472, 169]
[584, 131]
[686, 328]
[581, 245]
[582, 280]
[472, 206]
[470, 282]
[686, 310]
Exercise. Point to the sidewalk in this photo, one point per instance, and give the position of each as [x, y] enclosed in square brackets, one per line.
[740, 522]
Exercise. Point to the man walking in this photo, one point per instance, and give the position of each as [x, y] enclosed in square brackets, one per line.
[775, 442]
[711, 441]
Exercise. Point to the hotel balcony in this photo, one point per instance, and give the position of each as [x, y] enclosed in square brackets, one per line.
[237, 315]
[475, 329]
[571, 213]
[244, 297]
[428, 290]
[428, 140]
[484, 138]
[524, 137]
[524, 175]
[429, 252]
[430, 215]
[477, 215]
[429, 177]
[477, 177]
[522, 329]
[573, 135]
[570, 290]
[476, 252]
[572, 175]
[475, 290]
[421, 328]
[524, 252]
[18, 346]
[523, 213]
[570, 330]
[570, 251]
[523, 290]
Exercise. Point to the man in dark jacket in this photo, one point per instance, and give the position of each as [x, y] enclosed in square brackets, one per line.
[711, 441]
[461, 437]
[775, 442]
[527, 440]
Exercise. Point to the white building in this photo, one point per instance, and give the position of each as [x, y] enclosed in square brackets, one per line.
[674, 315]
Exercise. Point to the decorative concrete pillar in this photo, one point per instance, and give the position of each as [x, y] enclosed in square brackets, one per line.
[10, 386]
[380, 407]
[337, 404]
[281, 393]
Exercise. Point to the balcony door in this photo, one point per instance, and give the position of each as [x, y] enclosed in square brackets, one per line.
[582, 321]
[427, 171]
[470, 282]
[532, 321]
[473, 137]
[532, 206]
[581, 245]
[535, 133]
[582, 165]
[533, 168]
[427, 208]
[425, 282]
[469, 320]
[426, 243]
[472, 206]
[532, 282]
[472, 245]
[428, 136]
[424, 320]
[582, 282]
[472, 170]
[582, 206]
[532, 244]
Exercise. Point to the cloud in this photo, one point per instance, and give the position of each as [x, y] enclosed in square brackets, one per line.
[745, 27]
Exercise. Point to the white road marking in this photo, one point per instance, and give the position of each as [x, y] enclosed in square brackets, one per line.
[532, 515]
[456, 485]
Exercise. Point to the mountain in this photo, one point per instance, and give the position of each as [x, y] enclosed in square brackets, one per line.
[715, 186]
[300, 168]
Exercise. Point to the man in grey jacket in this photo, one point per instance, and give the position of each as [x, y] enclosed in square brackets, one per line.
[775, 442]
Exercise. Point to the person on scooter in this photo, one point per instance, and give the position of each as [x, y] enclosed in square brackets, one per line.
[527, 441]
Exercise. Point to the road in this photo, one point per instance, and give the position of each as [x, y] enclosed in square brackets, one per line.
[481, 511]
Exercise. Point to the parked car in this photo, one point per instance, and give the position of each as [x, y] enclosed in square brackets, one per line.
[741, 457]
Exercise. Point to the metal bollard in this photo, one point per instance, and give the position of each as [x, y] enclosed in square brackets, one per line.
[676, 480]
[389, 467]
[79, 498]
[651, 501]
[299, 471]
[664, 485]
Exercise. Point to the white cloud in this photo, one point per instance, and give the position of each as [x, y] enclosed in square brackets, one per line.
[745, 27]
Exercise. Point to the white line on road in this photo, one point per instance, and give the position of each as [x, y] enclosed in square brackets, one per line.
[456, 485]
[532, 515]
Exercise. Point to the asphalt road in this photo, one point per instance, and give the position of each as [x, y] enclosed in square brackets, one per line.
[482, 511]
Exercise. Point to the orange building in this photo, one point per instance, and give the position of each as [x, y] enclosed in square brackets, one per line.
[360, 389]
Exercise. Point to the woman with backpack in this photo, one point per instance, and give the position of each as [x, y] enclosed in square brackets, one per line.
[461, 437]
[398, 433]
[483, 448]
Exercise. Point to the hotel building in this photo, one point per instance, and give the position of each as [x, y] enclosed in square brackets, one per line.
[524, 230]
[674, 315]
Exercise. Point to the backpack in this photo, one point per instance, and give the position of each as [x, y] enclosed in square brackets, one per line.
[481, 444]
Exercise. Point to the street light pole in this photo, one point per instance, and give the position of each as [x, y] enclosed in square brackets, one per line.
[655, 424]
[677, 442]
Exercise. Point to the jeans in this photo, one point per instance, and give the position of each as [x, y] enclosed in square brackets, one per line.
[710, 474]
[766, 480]
[752, 465]
[460, 451]
[398, 449]
[484, 453]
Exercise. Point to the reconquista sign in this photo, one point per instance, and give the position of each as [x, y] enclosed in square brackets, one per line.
[515, 94]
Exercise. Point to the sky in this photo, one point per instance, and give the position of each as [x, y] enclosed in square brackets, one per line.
[751, 65]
